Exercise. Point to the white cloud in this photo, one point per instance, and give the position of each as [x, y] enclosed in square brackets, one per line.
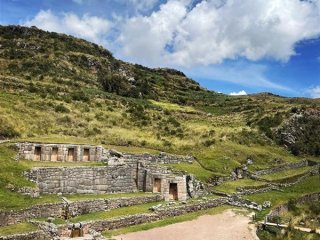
[314, 92]
[240, 93]
[143, 39]
[215, 30]
[92, 28]
[242, 73]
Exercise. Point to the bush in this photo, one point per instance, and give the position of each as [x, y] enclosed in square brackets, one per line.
[315, 208]
[209, 142]
[61, 108]
[80, 96]
[7, 130]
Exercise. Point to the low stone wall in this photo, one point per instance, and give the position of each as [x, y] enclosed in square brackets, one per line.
[75, 208]
[38, 235]
[275, 185]
[258, 189]
[45, 210]
[89, 206]
[281, 168]
[125, 221]
[162, 158]
[283, 208]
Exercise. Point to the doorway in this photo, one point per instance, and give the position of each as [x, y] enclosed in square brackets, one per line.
[86, 154]
[157, 185]
[173, 191]
[37, 154]
[71, 154]
[54, 154]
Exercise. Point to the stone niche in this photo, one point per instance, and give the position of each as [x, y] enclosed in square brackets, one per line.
[59, 152]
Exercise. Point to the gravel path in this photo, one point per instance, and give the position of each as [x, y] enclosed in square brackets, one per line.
[225, 226]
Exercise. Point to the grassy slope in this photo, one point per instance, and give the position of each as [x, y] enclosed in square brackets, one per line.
[231, 186]
[17, 228]
[142, 208]
[286, 174]
[309, 185]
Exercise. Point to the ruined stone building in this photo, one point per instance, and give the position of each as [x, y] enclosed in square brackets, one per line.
[121, 173]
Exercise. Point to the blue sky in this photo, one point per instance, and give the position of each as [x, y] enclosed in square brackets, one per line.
[227, 45]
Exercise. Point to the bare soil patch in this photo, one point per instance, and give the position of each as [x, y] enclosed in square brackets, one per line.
[224, 226]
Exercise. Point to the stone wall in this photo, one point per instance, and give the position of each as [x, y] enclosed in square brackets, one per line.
[83, 180]
[78, 153]
[38, 235]
[75, 208]
[59, 152]
[283, 208]
[148, 173]
[162, 158]
[125, 221]
[281, 168]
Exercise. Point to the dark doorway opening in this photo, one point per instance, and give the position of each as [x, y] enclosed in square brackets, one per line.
[157, 185]
[173, 191]
[71, 154]
[54, 154]
[37, 154]
[86, 154]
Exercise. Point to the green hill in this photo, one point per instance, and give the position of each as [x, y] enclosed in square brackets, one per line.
[55, 87]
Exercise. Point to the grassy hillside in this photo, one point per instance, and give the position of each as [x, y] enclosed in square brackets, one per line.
[58, 88]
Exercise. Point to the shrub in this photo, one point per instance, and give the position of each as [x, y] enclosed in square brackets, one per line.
[209, 142]
[61, 108]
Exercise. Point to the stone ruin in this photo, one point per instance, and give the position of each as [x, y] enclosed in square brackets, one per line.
[59, 152]
[121, 173]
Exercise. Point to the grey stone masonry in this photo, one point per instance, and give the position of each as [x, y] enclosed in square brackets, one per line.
[38, 235]
[75, 208]
[59, 152]
[83, 180]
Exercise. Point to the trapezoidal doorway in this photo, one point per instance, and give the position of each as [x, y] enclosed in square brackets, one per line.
[157, 185]
[71, 154]
[86, 155]
[173, 191]
[37, 154]
[54, 154]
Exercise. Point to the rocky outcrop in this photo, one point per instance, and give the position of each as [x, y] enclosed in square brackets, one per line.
[300, 132]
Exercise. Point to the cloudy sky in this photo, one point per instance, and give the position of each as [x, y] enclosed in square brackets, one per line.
[230, 46]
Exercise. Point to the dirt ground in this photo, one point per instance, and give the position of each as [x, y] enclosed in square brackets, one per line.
[225, 226]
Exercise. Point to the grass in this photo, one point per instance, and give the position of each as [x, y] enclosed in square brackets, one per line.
[172, 106]
[309, 185]
[231, 186]
[165, 222]
[142, 208]
[273, 233]
[79, 197]
[30, 164]
[193, 168]
[286, 174]
[17, 229]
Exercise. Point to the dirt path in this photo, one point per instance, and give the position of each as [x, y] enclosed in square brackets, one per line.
[225, 226]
